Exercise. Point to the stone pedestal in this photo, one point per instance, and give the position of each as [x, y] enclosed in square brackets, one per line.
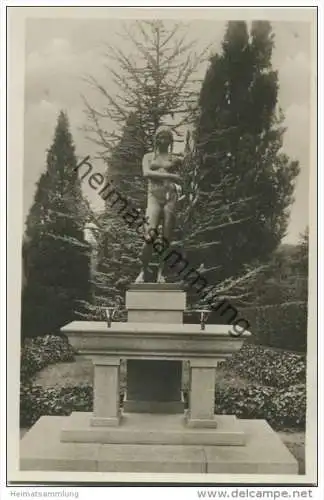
[154, 386]
[154, 438]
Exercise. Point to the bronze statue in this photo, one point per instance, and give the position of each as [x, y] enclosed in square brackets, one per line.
[161, 168]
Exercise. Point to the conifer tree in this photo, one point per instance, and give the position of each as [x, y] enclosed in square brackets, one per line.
[246, 181]
[155, 84]
[55, 254]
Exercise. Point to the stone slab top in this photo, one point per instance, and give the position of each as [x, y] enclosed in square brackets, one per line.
[157, 287]
[100, 327]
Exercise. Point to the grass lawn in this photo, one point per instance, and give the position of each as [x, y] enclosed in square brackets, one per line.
[81, 372]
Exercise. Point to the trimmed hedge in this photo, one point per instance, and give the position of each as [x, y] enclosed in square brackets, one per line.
[39, 352]
[283, 326]
[269, 367]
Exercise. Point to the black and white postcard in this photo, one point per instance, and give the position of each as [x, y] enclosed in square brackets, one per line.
[162, 245]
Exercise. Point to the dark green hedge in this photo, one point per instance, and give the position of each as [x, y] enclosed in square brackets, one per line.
[282, 326]
[267, 366]
[283, 408]
[39, 352]
[35, 401]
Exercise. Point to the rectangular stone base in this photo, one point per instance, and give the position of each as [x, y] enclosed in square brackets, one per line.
[155, 297]
[264, 453]
[152, 429]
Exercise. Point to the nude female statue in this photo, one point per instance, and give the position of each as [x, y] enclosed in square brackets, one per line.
[160, 168]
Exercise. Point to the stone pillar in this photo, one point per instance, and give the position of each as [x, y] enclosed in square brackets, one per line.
[154, 386]
[202, 393]
[106, 408]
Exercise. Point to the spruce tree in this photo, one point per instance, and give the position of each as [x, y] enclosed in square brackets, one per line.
[125, 162]
[154, 84]
[153, 88]
[55, 254]
[245, 179]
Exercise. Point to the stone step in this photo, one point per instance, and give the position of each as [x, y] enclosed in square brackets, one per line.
[264, 453]
[143, 428]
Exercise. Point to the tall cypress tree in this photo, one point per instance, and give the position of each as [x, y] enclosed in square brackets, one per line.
[246, 181]
[55, 254]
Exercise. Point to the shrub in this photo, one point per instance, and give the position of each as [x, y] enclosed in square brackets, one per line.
[284, 408]
[267, 366]
[39, 352]
[282, 326]
[35, 401]
[252, 401]
[289, 406]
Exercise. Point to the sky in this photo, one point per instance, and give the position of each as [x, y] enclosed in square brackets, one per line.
[61, 52]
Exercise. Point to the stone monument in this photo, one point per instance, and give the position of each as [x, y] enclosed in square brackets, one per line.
[152, 431]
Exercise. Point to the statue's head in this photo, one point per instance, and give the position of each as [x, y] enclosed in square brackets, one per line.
[163, 138]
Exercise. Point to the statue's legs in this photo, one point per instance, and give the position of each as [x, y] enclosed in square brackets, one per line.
[153, 215]
[169, 213]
